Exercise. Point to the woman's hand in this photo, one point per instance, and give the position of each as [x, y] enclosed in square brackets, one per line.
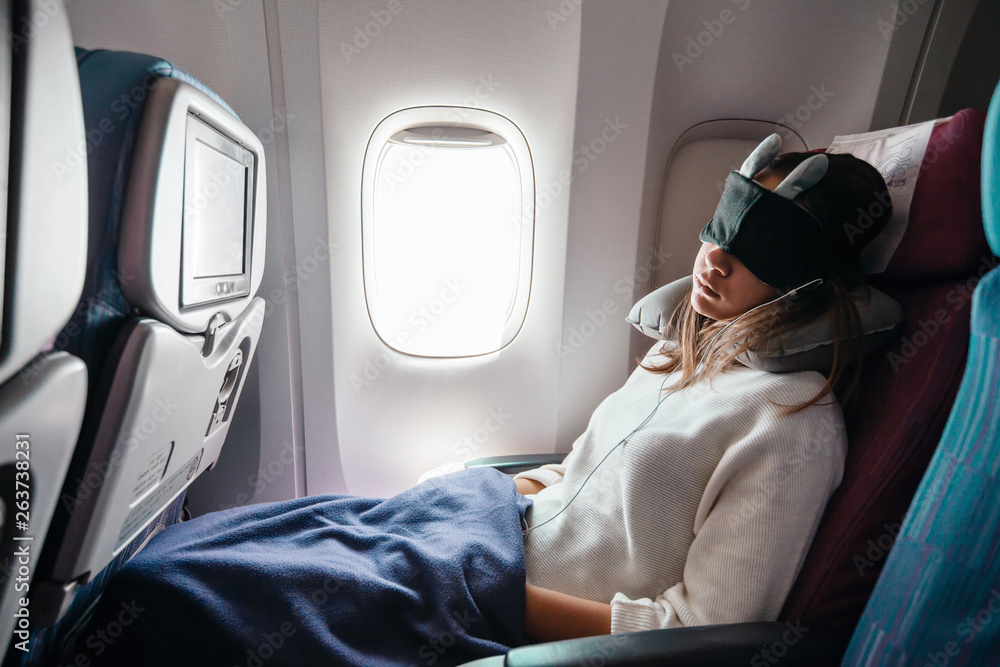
[527, 486]
[551, 616]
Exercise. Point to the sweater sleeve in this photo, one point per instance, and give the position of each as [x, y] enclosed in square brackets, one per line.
[753, 527]
[548, 475]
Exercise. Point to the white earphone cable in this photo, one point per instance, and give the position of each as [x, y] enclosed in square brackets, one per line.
[817, 282]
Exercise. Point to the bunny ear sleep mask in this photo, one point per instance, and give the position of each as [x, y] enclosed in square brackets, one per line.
[781, 243]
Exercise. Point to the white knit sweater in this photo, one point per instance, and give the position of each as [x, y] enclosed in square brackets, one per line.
[707, 512]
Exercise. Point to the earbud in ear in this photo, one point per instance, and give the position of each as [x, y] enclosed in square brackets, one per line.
[815, 282]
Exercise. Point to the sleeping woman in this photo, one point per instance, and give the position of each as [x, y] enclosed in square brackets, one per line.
[705, 513]
[691, 498]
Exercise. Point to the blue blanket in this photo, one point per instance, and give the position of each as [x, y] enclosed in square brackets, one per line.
[433, 576]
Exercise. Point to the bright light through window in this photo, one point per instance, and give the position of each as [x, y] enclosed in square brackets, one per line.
[447, 243]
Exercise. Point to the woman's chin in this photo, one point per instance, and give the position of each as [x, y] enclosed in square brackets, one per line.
[703, 306]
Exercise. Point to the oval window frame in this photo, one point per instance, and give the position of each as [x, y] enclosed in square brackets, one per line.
[459, 118]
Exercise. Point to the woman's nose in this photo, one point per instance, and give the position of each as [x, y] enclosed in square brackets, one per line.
[717, 259]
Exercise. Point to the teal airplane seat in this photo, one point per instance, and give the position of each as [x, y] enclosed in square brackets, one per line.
[937, 601]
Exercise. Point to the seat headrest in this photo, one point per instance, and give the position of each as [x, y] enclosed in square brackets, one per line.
[177, 194]
[947, 189]
[991, 174]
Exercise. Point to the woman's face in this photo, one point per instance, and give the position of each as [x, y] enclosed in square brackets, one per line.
[723, 288]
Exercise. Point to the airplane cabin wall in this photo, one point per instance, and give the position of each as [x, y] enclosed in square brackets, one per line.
[397, 416]
[620, 45]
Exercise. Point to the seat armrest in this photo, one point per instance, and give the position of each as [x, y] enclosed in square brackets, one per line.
[516, 463]
[759, 643]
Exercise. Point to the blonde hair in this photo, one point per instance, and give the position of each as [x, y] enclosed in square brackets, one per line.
[693, 333]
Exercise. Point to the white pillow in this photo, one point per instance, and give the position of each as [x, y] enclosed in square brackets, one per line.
[806, 347]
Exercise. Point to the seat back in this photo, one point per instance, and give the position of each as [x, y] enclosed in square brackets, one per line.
[43, 238]
[938, 598]
[907, 390]
[168, 322]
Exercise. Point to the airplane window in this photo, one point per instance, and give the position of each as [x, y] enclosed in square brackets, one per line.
[447, 231]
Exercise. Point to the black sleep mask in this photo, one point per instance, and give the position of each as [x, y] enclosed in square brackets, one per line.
[781, 243]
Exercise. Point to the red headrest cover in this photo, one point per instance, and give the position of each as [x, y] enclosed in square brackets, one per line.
[948, 188]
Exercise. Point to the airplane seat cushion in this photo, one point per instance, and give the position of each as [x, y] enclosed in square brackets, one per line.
[938, 597]
[906, 392]
[934, 247]
[991, 175]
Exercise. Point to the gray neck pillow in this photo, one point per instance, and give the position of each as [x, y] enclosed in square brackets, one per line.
[805, 348]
